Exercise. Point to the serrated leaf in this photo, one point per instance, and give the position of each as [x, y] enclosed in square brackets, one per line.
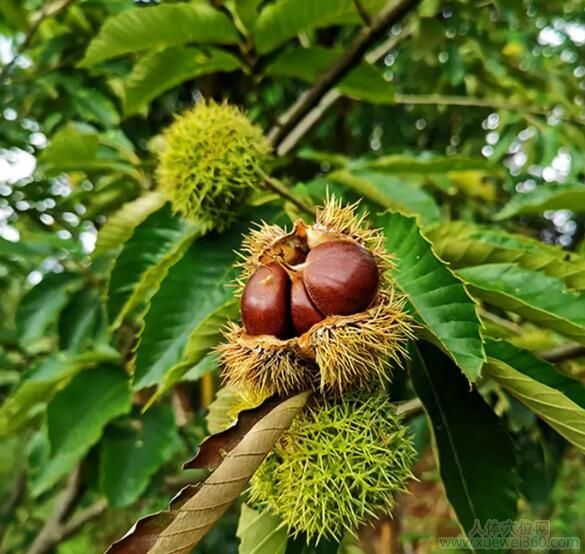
[39, 386]
[260, 532]
[159, 27]
[539, 298]
[144, 260]
[194, 288]
[471, 460]
[545, 197]
[133, 451]
[283, 20]
[390, 192]
[120, 225]
[207, 365]
[365, 82]
[161, 71]
[550, 404]
[198, 508]
[464, 244]
[220, 414]
[83, 322]
[437, 297]
[536, 368]
[425, 165]
[76, 417]
[39, 309]
[201, 341]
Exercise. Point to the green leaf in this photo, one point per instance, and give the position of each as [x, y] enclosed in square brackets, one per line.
[220, 415]
[539, 298]
[39, 386]
[73, 149]
[463, 244]
[24, 249]
[436, 295]
[14, 13]
[536, 368]
[202, 340]
[83, 322]
[473, 449]
[545, 197]
[425, 165]
[261, 532]
[159, 27]
[365, 82]
[120, 225]
[161, 71]
[133, 451]
[281, 21]
[77, 416]
[389, 192]
[194, 288]
[548, 403]
[144, 260]
[247, 11]
[39, 309]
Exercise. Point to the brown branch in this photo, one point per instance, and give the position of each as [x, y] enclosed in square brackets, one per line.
[48, 535]
[466, 101]
[307, 123]
[48, 10]
[390, 15]
[86, 515]
[279, 188]
[409, 408]
[564, 353]
[361, 10]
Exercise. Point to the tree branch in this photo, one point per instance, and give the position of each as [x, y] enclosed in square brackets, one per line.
[564, 353]
[391, 14]
[276, 186]
[48, 10]
[306, 124]
[48, 535]
[466, 101]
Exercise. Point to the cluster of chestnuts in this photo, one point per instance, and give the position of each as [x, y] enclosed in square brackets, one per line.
[318, 309]
[338, 277]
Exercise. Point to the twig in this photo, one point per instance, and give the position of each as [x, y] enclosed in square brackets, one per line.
[48, 535]
[279, 188]
[564, 353]
[392, 13]
[15, 498]
[307, 123]
[86, 515]
[48, 10]
[361, 10]
[409, 408]
[466, 101]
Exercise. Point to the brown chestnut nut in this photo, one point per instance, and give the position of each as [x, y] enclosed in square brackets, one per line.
[265, 302]
[304, 314]
[341, 277]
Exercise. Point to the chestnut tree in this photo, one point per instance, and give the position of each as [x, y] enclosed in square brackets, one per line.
[330, 251]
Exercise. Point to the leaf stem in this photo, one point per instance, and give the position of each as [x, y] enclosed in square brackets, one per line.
[280, 188]
[391, 14]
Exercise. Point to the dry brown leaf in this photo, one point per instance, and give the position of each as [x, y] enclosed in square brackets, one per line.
[212, 450]
[197, 509]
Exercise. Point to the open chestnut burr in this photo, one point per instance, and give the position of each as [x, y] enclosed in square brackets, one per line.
[318, 307]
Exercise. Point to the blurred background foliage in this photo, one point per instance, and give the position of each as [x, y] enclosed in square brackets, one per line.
[472, 111]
